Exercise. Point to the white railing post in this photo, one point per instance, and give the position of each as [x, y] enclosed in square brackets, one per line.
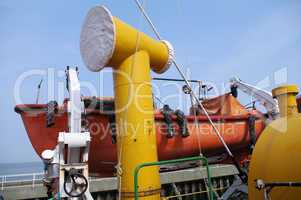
[30, 178]
[2, 183]
[33, 179]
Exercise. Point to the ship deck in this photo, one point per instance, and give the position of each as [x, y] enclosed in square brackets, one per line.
[106, 188]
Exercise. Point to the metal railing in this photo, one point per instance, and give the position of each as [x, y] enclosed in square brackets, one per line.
[164, 162]
[14, 179]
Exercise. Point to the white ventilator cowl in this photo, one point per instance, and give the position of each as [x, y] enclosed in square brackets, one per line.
[97, 38]
[171, 55]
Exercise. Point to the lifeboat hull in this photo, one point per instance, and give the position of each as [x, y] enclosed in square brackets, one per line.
[103, 153]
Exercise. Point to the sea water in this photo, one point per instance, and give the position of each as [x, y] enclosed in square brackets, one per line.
[21, 168]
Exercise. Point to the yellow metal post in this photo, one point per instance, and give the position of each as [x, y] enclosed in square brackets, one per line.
[107, 41]
[136, 139]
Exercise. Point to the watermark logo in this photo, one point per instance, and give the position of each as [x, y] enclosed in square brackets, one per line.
[142, 97]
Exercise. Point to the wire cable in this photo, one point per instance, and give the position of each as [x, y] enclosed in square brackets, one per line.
[178, 67]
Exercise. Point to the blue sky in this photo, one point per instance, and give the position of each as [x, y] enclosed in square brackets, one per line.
[214, 40]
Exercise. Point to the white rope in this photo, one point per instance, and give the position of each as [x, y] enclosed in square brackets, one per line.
[178, 67]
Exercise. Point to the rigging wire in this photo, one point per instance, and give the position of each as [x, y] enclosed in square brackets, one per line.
[148, 19]
[178, 67]
[158, 99]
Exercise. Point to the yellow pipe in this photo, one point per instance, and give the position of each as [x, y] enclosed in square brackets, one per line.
[129, 40]
[107, 41]
[286, 97]
[136, 139]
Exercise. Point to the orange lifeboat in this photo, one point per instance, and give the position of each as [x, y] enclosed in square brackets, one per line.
[230, 117]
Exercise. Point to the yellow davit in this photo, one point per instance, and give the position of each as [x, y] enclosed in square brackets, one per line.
[107, 41]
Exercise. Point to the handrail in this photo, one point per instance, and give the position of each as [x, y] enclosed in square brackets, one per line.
[164, 162]
[22, 175]
[17, 178]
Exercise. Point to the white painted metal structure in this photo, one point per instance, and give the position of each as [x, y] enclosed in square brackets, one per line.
[75, 142]
[265, 97]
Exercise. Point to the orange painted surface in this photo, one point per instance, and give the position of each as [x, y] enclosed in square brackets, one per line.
[103, 155]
